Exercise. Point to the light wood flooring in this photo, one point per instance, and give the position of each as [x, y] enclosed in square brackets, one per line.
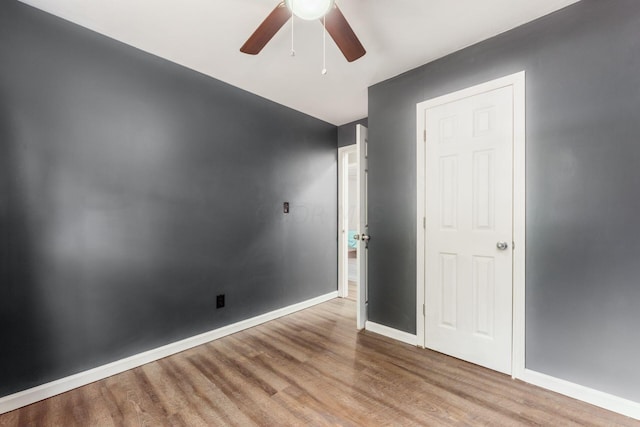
[352, 290]
[310, 368]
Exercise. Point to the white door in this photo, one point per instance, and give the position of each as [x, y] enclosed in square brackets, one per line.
[469, 228]
[363, 233]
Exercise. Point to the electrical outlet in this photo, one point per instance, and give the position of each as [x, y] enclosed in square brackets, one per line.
[220, 301]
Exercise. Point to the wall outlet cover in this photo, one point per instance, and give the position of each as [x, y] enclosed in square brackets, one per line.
[220, 301]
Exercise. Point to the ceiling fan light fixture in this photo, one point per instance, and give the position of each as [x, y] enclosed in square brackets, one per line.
[309, 9]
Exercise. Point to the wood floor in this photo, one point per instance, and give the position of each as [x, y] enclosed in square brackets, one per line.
[310, 368]
[352, 290]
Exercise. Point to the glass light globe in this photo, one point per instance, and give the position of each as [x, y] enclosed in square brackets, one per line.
[309, 9]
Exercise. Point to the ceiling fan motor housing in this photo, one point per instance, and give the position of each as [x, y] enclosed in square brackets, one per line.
[309, 9]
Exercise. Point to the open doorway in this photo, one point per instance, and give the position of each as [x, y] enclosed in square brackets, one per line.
[348, 222]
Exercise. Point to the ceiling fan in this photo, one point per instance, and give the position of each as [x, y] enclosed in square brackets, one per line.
[325, 10]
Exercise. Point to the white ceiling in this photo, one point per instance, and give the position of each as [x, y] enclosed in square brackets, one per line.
[206, 35]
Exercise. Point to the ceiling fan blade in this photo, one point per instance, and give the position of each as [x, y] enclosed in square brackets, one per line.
[341, 33]
[269, 27]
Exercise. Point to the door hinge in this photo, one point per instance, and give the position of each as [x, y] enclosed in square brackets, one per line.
[424, 313]
[424, 222]
[424, 136]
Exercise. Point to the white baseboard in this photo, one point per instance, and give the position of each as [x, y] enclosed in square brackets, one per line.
[44, 391]
[388, 332]
[586, 394]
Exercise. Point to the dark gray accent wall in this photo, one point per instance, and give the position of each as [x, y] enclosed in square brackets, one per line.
[133, 191]
[583, 173]
[347, 132]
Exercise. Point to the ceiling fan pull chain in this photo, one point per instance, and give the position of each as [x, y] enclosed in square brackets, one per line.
[293, 52]
[324, 45]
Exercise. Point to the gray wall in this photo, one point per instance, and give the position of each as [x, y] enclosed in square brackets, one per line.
[347, 132]
[133, 191]
[583, 175]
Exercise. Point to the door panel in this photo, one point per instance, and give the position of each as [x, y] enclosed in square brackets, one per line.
[483, 190]
[449, 290]
[448, 192]
[483, 282]
[469, 192]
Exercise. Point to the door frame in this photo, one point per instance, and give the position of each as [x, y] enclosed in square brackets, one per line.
[343, 220]
[517, 82]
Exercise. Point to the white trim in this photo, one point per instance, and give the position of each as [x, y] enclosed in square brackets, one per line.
[589, 395]
[517, 81]
[489, 86]
[421, 160]
[44, 391]
[388, 332]
[519, 223]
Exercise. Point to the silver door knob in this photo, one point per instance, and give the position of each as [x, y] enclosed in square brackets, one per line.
[502, 245]
[366, 238]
